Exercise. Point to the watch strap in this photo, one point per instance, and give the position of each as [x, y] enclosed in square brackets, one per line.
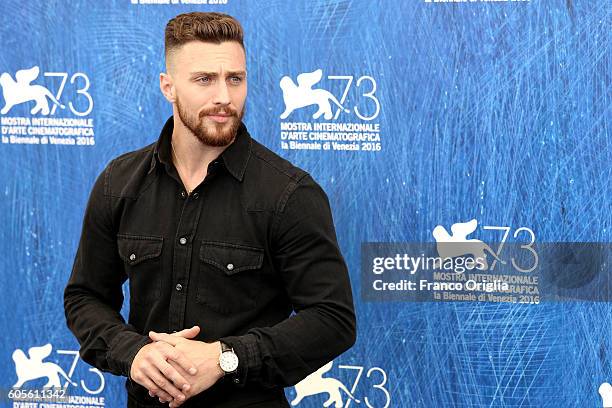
[225, 347]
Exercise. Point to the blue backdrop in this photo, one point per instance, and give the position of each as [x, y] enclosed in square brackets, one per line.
[497, 111]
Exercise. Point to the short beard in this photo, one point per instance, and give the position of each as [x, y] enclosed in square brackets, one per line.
[216, 137]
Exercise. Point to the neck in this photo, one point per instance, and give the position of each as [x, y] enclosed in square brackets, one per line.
[193, 156]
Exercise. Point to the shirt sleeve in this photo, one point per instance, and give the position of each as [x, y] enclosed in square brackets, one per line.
[315, 276]
[93, 296]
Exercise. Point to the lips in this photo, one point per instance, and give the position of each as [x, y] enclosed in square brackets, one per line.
[219, 117]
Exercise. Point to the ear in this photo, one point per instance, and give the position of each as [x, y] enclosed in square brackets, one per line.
[166, 85]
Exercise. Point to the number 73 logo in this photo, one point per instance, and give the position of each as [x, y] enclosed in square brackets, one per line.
[32, 367]
[20, 90]
[316, 383]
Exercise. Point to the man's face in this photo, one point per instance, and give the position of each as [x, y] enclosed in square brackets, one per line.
[210, 87]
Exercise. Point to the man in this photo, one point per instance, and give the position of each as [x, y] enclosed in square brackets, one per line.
[221, 241]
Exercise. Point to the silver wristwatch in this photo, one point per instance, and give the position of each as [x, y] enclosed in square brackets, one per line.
[228, 360]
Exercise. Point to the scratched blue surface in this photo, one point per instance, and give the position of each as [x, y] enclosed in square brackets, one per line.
[495, 111]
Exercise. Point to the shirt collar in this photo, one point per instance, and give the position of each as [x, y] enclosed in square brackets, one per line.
[235, 157]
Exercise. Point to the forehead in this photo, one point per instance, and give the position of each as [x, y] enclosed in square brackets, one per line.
[205, 56]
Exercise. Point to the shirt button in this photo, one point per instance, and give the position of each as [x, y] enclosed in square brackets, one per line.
[179, 287]
[183, 194]
[236, 380]
[230, 267]
[132, 257]
[195, 196]
[182, 240]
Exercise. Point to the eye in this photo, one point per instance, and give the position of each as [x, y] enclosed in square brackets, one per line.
[205, 80]
[236, 80]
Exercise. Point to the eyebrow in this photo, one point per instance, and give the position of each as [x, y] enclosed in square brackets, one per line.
[215, 74]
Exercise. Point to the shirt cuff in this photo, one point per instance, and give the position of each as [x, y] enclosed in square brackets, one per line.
[122, 351]
[249, 358]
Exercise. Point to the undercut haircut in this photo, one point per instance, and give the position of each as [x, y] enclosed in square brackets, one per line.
[200, 26]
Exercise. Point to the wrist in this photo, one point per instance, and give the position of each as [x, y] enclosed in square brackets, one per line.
[220, 372]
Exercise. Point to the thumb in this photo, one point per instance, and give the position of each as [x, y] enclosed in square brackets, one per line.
[188, 333]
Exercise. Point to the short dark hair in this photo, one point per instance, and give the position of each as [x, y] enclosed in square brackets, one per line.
[201, 26]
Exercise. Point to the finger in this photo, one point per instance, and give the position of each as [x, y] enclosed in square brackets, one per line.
[188, 333]
[171, 401]
[163, 396]
[175, 403]
[180, 370]
[173, 354]
[154, 390]
[141, 376]
[165, 337]
[166, 385]
[152, 373]
[173, 375]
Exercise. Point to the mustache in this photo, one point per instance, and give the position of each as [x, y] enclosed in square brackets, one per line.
[219, 111]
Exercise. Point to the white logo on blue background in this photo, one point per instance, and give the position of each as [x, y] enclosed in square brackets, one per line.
[605, 391]
[34, 367]
[315, 383]
[303, 95]
[457, 243]
[20, 90]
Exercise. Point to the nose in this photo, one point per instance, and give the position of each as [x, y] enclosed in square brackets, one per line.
[221, 96]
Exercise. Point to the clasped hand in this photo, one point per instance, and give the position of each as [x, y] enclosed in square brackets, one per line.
[174, 367]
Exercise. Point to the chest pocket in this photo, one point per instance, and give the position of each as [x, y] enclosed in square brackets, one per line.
[142, 259]
[229, 278]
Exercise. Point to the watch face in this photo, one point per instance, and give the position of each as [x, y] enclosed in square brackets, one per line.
[228, 361]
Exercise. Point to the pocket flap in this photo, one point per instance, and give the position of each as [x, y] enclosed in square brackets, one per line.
[134, 249]
[231, 258]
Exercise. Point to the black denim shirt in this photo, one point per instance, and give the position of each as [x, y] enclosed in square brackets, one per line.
[251, 244]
